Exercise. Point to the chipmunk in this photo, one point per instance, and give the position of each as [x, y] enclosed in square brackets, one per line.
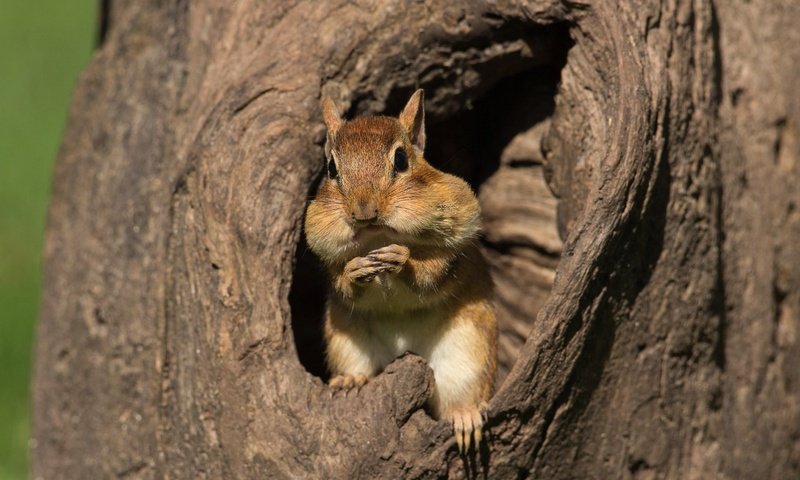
[399, 240]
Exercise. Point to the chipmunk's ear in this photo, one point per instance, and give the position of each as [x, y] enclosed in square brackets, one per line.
[330, 113]
[413, 119]
[331, 116]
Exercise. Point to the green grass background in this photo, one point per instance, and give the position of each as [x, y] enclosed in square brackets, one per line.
[43, 46]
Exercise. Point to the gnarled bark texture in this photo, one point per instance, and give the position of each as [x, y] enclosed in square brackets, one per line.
[179, 333]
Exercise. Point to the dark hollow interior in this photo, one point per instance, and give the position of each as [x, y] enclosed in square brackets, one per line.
[469, 142]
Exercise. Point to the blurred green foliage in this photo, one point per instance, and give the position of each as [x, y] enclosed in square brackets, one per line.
[43, 46]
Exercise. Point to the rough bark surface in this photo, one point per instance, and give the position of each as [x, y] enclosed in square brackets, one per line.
[179, 326]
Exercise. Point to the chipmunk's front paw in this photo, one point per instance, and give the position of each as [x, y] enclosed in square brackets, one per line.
[363, 269]
[467, 426]
[347, 382]
[392, 257]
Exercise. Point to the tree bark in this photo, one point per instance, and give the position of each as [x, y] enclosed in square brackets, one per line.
[179, 332]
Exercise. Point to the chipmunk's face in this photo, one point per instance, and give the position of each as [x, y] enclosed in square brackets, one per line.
[380, 190]
[375, 175]
[368, 161]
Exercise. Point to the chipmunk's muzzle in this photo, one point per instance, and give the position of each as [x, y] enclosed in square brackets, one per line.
[364, 212]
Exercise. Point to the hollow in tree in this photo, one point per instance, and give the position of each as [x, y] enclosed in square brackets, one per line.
[648, 308]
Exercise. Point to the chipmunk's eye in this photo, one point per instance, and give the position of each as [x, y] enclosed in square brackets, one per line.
[332, 173]
[400, 160]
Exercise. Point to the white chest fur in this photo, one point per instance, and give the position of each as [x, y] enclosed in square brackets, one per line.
[446, 343]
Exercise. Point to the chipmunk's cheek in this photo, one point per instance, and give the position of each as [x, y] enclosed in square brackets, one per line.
[399, 220]
[343, 233]
[328, 233]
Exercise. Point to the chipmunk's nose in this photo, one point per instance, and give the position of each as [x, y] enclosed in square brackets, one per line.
[364, 211]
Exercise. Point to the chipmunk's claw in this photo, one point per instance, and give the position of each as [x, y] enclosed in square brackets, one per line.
[477, 422]
[467, 426]
[363, 269]
[388, 259]
[348, 382]
[458, 430]
[391, 257]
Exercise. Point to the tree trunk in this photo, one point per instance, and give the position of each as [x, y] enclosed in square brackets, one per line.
[179, 333]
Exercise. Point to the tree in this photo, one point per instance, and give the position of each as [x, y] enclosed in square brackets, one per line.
[177, 334]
